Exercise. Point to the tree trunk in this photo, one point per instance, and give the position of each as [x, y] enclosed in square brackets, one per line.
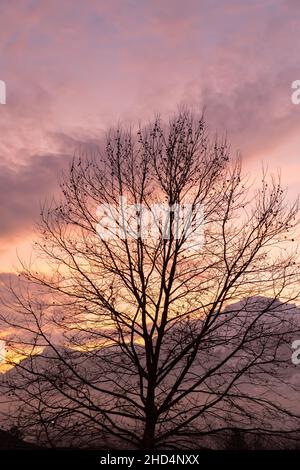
[148, 441]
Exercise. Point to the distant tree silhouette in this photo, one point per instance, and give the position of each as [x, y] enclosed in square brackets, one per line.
[140, 345]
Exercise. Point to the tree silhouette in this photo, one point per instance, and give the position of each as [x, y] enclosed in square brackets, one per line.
[138, 343]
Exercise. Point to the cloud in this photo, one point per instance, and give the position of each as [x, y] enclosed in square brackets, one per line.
[21, 189]
[74, 68]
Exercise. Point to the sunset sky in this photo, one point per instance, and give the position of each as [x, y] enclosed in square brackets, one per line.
[74, 68]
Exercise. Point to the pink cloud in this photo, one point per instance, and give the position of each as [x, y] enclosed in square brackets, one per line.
[74, 68]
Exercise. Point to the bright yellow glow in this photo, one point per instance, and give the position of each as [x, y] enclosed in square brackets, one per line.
[15, 355]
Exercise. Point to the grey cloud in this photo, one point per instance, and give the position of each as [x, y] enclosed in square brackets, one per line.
[23, 187]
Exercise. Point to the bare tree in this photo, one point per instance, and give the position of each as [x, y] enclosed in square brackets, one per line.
[138, 343]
